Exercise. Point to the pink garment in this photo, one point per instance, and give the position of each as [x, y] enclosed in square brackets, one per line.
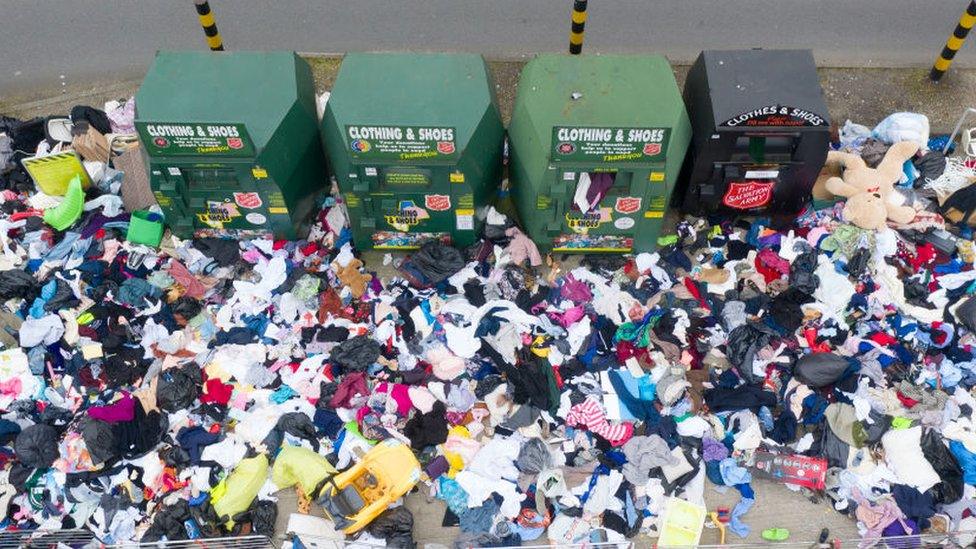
[876, 517]
[399, 393]
[462, 446]
[590, 414]
[12, 387]
[575, 290]
[194, 288]
[569, 316]
[771, 265]
[520, 247]
[123, 409]
[445, 365]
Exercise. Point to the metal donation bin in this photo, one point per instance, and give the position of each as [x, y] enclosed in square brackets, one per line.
[231, 142]
[596, 146]
[415, 142]
[761, 131]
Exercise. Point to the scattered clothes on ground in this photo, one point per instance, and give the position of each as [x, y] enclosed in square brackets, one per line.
[170, 393]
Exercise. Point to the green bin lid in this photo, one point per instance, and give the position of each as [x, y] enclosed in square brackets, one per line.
[413, 89]
[254, 88]
[610, 90]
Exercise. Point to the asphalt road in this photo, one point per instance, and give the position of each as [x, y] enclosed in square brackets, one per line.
[47, 42]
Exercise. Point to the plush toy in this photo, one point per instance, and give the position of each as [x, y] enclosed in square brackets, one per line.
[870, 192]
[351, 277]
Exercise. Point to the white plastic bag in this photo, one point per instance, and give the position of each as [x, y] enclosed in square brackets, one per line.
[904, 126]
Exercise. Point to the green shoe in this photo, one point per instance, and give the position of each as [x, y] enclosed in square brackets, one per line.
[776, 534]
[69, 210]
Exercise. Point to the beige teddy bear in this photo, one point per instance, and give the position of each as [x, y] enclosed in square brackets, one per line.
[351, 277]
[870, 192]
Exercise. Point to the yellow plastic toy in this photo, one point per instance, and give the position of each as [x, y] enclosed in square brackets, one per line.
[353, 498]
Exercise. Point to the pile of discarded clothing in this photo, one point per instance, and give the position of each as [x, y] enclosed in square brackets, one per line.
[169, 393]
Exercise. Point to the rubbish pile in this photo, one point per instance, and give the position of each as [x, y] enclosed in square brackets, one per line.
[168, 394]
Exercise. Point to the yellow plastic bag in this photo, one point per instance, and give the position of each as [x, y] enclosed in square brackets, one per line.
[235, 493]
[297, 465]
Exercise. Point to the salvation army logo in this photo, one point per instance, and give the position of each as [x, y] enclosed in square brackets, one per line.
[360, 145]
[437, 202]
[161, 142]
[235, 142]
[565, 148]
[628, 204]
[248, 200]
[445, 147]
[745, 195]
[652, 149]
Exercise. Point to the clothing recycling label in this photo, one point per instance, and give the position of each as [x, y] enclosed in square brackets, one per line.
[407, 215]
[777, 116]
[609, 145]
[195, 139]
[401, 142]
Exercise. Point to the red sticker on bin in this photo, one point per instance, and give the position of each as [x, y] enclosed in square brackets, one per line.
[437, 202]
[746, 195]
[248, 200]
[445, 147]
[628, 204]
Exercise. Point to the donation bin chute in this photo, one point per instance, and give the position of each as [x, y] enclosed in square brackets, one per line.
[415, 142]
[231, 142]
[761, 132]
[597, 143]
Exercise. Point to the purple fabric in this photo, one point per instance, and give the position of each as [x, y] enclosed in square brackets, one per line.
[600, 183]
[121, 410]
[713, 450]
[98, 221]
[895, 529]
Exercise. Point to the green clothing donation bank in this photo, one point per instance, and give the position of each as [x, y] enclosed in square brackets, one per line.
[597, 143]
[415, 142]
[231, 142]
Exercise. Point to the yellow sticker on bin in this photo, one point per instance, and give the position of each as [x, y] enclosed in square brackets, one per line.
[457, 177]
[259, 173]
[656, 176]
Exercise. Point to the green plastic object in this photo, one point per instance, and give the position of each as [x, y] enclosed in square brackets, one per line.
[415, 142]
[231, 142]
[597, 117]
[776, 534]
[69, 210]
[143, 230]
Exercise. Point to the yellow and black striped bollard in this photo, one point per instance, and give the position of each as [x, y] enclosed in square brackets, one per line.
[209, 25]
[954, 43]
[576, 30]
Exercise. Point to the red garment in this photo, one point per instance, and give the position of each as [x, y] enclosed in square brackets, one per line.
[811, 336]
[771, 265]
[882, 338]
[908, 402]
[693, 288]
[216, 392]
[350, 386]
[924, 255]
[310, 249]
